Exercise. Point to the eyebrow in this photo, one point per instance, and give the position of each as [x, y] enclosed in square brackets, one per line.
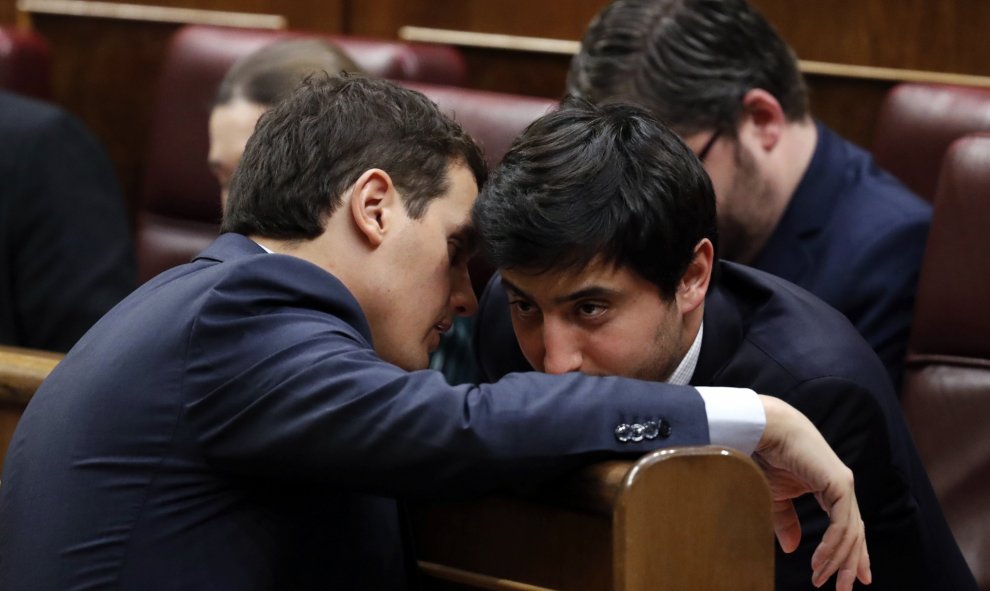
[593, 292]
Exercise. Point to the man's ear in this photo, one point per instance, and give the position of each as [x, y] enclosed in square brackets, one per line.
[763, 119]
[372, 205]
[693, 286]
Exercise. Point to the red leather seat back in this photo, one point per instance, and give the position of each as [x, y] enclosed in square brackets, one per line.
[179, 209]
[25, 63]
[918, 122]
[946, 392]
[493, 119]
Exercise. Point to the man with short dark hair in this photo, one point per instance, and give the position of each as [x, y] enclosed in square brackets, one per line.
[794, 198]
[602, 223]
[246, 421]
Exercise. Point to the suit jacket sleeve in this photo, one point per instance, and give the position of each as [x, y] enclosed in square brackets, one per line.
[285, 394]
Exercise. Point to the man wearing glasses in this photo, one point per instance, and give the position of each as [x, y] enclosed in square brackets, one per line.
[794, 199]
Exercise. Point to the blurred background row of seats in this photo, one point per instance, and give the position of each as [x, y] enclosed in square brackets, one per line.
[179, 206]
[924, 136]
[25, 63]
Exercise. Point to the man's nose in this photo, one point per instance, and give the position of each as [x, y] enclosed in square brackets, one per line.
[462, 297]
[561, 353]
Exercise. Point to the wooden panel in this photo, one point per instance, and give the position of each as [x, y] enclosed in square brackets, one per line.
[847, 105]
[8, 12]
[104, 71]
[540, 18]
[944, 36]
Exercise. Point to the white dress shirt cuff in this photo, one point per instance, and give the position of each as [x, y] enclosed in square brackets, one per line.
[735, 417]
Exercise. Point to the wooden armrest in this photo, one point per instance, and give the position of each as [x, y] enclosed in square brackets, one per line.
[681, 518]
[22, 371]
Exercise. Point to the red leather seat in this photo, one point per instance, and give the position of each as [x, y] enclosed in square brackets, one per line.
[918, 122]
[493, 119]
[946, 392]
[25, 63]
[179, 205]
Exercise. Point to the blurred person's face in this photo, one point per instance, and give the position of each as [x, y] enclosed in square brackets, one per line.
[742, 194]
[231, 125]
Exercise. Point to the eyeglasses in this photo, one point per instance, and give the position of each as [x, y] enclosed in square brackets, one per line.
[703, 153]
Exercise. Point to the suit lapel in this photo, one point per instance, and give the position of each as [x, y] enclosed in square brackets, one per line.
[724, 331]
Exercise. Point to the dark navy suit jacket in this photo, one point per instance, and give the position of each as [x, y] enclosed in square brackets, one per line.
[229, 426]
[66, 255]
[767, 334]
[853, 235]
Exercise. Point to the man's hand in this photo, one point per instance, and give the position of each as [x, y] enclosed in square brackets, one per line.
[798, 460]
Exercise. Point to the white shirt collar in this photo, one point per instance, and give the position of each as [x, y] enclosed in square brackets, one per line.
[685, 369]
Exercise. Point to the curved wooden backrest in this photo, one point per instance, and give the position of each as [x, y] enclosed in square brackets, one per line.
[681, 518]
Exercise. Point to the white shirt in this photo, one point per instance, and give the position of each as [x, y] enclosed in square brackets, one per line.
[735, 415]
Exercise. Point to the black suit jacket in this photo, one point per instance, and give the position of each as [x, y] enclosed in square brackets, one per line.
[767, 334]
[229, 426]
[66, 255]
[853, 235]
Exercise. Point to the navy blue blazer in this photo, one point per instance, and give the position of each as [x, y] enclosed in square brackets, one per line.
[229, 426]
[66, 255]
[764, 333]
[854, 236]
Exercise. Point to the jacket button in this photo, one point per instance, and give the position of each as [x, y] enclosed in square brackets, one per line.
[664, 429]
[623, 432]
[650, 429]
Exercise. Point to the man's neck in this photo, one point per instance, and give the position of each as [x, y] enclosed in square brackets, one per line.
[797, 151]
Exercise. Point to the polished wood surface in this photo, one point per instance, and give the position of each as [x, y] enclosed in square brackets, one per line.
[684, 518]
[943, 36]
[153, 14]
[21, 372]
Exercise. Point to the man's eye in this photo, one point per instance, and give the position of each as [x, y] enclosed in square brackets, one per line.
[591, 310]
[522, 307]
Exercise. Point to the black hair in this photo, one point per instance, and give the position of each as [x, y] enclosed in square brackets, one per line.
[689, 61]
[309, 148]
[602, 183]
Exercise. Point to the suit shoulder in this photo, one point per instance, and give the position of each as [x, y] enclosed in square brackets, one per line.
[794, 330]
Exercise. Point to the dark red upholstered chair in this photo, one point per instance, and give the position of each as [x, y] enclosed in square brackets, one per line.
[918, 122]
[946, 391]
[179, 205]
[494, 120]
[25, 63]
